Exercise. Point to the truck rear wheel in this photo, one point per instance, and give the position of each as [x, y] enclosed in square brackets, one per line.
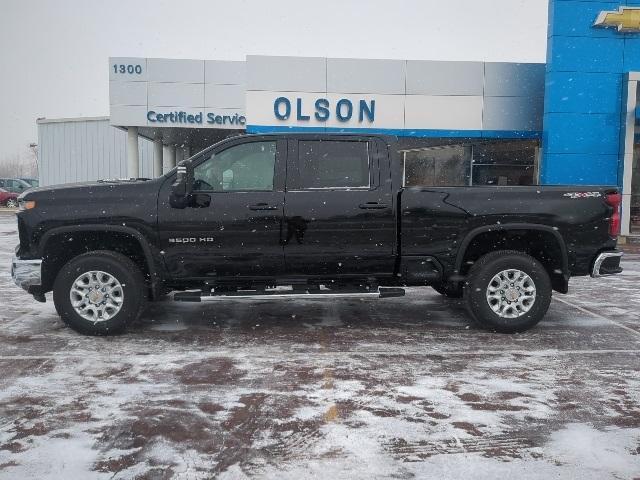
[507, 291]
[99, 293]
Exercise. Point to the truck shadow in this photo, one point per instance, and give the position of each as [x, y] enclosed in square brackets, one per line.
[417, 311]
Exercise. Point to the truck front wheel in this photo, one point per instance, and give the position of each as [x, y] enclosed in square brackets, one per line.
[507, 291]
[99, 293]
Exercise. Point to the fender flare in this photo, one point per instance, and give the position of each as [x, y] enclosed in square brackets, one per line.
[154, 272]
[513, 226]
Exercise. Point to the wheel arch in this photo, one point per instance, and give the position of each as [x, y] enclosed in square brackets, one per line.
[560, 280]
[150, 266]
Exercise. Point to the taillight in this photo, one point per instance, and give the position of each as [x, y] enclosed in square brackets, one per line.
[614, 200]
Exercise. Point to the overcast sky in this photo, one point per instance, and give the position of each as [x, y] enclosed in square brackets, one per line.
[54, 53]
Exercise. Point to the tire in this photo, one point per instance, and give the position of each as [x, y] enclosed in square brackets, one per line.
[11, 203]
[113, 273]
[482, 292]
[448, 290]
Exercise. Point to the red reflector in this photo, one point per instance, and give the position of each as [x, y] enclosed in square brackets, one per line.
[614, 200]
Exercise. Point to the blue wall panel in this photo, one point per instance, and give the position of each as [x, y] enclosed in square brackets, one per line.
[582, 133]
[575, 18]
[583, 93]
[579, 169]
[632, 53]
[580, 54]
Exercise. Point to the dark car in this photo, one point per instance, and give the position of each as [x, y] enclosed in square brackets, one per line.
[8, 199]
[313, 214]
[14, 185]
[34, 182]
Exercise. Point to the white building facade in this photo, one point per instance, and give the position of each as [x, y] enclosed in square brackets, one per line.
[164, 110]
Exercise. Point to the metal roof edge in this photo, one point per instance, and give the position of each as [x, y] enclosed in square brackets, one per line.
[71, 119]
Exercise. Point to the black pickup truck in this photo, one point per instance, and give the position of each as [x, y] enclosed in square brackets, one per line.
[307, 214]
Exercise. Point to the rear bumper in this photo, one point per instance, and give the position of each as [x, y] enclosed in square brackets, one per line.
[606, 263]
[27, 274]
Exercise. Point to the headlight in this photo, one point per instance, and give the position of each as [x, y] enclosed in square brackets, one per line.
[26, 205]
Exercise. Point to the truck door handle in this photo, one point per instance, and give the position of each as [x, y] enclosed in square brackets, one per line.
[373, 206]
[263, 206]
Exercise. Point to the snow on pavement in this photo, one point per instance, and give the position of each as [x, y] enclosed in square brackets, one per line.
[401, 388]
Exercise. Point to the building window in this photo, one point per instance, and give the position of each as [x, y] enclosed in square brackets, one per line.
[634, 207]
[504, 163]
[446, 166]
[470, 162]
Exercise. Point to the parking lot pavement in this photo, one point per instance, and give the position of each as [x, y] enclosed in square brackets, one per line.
[399, 388]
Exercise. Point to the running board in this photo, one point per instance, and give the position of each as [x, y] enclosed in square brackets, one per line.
[382, 292]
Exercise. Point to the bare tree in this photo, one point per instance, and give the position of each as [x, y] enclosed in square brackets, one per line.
[17, 165]
[32, 161]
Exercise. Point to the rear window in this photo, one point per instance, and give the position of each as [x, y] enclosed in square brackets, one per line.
[333, 164]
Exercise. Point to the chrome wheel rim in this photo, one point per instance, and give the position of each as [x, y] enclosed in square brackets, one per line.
[511, 293]
[12, 203]
[96, 296]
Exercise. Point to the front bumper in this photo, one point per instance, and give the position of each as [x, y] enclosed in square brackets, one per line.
[26, 274]
[607, 263]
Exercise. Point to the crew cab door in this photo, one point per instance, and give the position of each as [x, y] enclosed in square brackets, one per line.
[235, 230]
[339, 207]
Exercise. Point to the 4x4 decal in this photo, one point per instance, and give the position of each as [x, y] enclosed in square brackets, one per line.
[582, 194]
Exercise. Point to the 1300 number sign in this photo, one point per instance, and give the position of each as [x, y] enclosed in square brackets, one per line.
[131, 69]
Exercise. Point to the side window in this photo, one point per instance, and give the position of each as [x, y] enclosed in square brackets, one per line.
[2, 183]
[244, 167]
[333, 164]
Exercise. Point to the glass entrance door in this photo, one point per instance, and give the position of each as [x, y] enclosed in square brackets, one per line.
[634, 226]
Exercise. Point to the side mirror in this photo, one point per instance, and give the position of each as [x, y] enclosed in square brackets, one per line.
[182, 187]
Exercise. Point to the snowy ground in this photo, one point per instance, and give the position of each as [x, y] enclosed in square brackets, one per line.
[395, 388]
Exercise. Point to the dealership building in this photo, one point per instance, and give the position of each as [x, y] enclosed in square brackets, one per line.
[573, 120]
